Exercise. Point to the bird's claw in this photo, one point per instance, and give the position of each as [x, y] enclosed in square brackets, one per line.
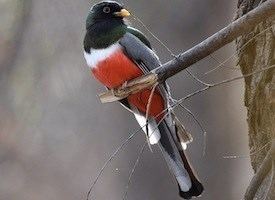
[124, 85]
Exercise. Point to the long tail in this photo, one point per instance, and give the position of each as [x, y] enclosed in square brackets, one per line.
[189, 185]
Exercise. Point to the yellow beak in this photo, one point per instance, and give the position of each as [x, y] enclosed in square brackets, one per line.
[123, 13]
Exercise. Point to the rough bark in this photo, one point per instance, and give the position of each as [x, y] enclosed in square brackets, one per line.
[259, 97]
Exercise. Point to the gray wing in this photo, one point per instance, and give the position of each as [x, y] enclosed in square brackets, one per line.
[139, 52]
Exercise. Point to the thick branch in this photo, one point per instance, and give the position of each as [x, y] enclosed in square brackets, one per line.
[205, 48]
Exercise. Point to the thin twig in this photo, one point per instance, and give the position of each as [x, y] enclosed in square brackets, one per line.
[151, 33]
[224, 82]
[133, 170]
[148, 107]
[215, 59]
[110, 159]
[247, 156]
[196, 78]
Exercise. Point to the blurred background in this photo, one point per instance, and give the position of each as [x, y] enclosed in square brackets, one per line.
[55, 135]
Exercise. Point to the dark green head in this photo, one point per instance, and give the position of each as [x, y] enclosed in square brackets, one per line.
[106, 10]
[105, 24]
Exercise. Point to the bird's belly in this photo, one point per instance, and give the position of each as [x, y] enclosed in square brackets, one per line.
[116, 70]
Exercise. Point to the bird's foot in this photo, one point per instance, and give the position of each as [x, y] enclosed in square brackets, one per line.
[124, 85]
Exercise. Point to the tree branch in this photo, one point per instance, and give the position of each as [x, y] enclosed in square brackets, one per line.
[205, 48]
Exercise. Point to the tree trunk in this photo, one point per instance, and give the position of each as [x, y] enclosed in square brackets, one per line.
[260, 100]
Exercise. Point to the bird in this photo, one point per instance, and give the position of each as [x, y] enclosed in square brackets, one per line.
[116, 53]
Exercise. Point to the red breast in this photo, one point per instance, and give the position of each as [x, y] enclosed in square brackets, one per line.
[115, 70]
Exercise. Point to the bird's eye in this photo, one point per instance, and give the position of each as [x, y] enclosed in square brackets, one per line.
[106, 9]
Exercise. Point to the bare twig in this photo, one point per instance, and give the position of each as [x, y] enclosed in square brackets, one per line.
[196, 78]
[148, 107]
[133, 170]
[247, 156]
[261, 173]
[223, 82]
[110, 159]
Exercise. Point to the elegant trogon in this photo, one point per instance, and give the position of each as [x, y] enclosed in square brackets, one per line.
[117, 53]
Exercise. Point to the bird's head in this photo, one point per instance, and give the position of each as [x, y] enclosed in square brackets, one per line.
[106, 10]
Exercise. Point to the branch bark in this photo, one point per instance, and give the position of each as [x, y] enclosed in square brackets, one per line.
[228, 34]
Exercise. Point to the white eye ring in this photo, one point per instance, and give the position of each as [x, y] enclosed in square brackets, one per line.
[106, 9]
